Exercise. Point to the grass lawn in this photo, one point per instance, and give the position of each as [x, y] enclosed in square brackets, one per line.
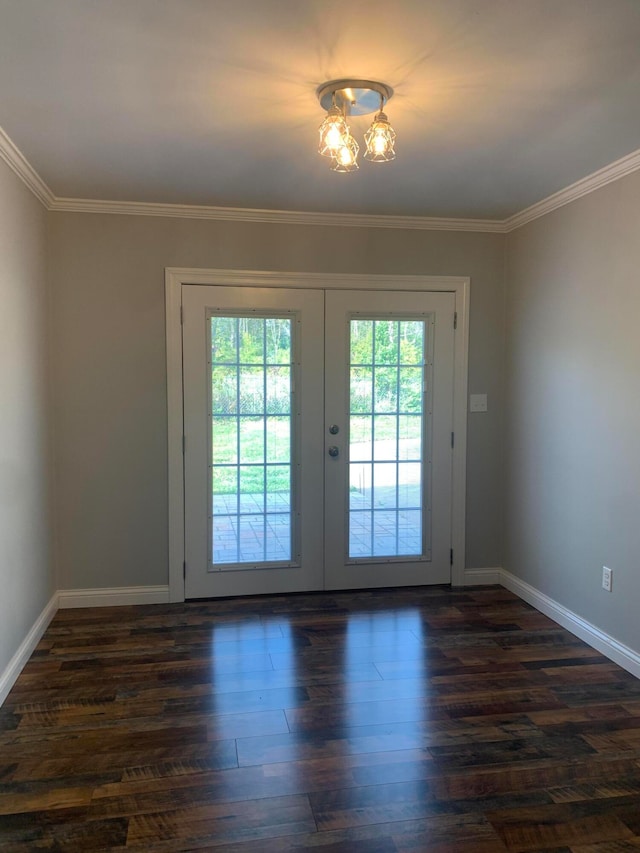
[254, 440]
[265, 448]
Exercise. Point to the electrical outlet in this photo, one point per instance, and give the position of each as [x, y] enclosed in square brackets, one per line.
[607, 578]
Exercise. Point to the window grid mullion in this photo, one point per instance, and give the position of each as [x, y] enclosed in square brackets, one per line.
[397, 325]
[238, 447]
[264, 441]
[373, 438]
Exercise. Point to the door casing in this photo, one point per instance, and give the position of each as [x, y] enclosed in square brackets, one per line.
[175, 278]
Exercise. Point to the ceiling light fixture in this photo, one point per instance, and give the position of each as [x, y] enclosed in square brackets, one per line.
[343, 98]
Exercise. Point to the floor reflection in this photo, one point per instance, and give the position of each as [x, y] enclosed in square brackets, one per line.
[386, 637]
[242, 669]
[290, 688]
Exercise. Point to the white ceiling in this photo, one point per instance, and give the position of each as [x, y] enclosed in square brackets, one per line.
[498, 103]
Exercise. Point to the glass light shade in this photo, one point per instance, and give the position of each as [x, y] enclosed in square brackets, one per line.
[380, 139]
[346, 158]
[333, 133]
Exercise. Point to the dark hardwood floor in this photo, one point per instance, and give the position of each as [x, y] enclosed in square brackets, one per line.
[395, 720]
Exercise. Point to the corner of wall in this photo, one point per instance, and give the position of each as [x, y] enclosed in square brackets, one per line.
[26, 648]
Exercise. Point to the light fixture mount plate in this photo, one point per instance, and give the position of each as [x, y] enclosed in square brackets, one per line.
[355, 97]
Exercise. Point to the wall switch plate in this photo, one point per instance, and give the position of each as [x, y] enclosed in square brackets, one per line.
[607, 578]
[477, 402]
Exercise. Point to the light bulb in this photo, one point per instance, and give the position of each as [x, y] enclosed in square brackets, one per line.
[333, 133]
[346, 157]
[333, 138]
[379, 143]
[379, 139]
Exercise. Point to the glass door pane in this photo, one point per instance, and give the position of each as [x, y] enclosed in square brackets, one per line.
[251, 430]
[386, 427]
[253, 368]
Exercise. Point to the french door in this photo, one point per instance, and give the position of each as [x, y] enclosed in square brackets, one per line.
[317, 439]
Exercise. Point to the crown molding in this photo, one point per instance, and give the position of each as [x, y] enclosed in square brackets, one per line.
[16, 161]
[278, 217]
[608, 174]
[624, 166]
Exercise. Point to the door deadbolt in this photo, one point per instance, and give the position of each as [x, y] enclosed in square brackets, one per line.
[334, 429]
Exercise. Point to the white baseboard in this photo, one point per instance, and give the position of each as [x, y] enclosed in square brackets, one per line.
[113, 596]
[26, 647]
[480, 577]
[66, 598]
[611, 648]
[616, 651]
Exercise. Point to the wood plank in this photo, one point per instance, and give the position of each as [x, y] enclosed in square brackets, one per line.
[224, 821]
[529, 829]
[382, 721]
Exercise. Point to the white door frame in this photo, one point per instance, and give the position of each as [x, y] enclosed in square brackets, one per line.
[175, 277]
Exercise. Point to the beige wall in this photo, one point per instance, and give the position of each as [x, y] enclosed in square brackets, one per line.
[572, 423]
[107, 275]
[571, 363]
[26, 575]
